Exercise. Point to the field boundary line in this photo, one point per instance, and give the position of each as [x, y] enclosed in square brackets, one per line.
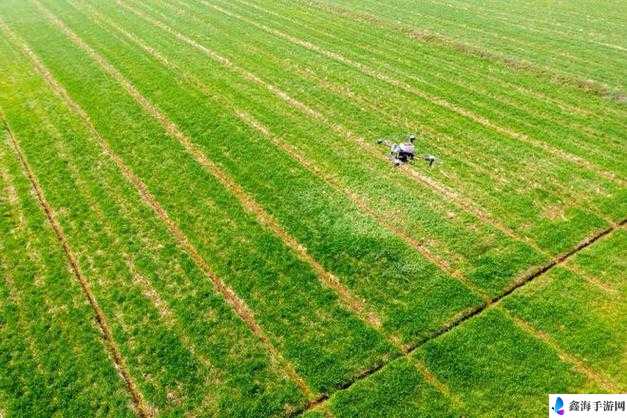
[594, 87]
[141, 407]
[470, 313]
[309, 166]
[240, 308]
[565, 356]
[443, 103]
[246, 201]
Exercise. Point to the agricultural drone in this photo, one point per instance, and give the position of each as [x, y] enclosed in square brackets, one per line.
[405, 152]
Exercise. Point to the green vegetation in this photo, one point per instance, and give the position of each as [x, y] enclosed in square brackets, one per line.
[213, 171]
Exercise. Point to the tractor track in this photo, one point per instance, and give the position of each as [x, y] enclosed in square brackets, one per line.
[468, 314]
[239, 307]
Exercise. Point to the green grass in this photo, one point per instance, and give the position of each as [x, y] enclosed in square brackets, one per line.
[531, 166]
[119, 228]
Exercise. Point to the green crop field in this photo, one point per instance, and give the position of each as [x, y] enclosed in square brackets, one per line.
[196, 219]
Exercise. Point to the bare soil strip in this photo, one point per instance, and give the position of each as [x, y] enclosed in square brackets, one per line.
[242, 310]
[605, 383]
[464, 316]
[141, 407]
[248, 203]
[557, 152]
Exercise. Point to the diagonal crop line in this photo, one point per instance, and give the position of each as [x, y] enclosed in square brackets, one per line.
[142, 409]
[443, 103]
[581, 366]
[240, 308]
[248, 203]
[470, 313]
[167, 316]
[305, 163]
